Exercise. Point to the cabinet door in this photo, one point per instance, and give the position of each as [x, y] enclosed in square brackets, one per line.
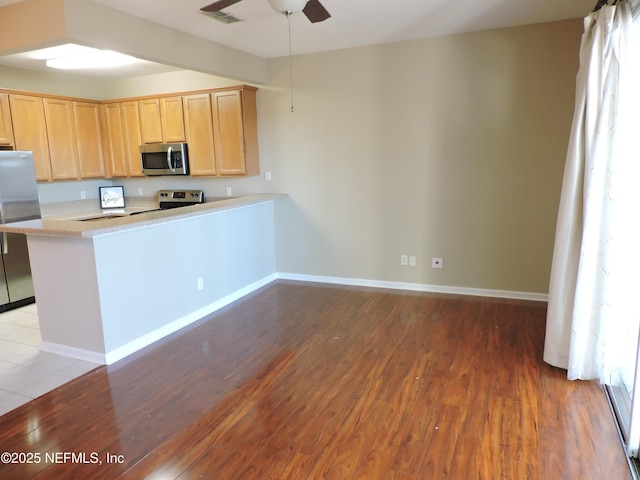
[235, 132]
[61, 133]
[30, 131]
[89, 135]
[131, 127]
[150, 123]
[115, 140]
[229, 142]
[6, 130]
[172, 119]
[199, 134]
[250, 130]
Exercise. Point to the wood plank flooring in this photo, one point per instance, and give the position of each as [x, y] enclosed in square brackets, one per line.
[307, 381]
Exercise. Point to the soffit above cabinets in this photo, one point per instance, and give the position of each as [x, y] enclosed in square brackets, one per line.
[262, 33]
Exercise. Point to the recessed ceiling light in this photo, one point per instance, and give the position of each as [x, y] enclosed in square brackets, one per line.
[70, 56]
[94, 59]
[59, 51]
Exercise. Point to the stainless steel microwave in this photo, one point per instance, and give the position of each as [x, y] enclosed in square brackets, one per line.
[164, 159]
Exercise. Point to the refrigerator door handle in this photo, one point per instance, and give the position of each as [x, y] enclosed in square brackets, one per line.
[5, 247]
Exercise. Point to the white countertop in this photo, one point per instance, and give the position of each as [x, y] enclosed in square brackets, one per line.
[70, 225]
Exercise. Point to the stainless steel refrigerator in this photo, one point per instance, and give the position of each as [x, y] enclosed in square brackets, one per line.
[18, 202]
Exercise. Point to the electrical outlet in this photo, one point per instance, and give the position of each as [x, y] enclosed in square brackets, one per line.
[412, 261]
[437, 263]
[228, 191]
[200, 283]
[404, 260]
[83, 194]
[267, 175]
[139, 191]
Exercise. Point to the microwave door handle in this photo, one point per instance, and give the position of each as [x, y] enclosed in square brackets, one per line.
[170, 160]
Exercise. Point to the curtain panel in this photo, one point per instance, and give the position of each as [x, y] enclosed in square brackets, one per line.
[595, 274]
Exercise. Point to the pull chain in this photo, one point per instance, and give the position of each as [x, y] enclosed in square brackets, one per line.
[288, 15]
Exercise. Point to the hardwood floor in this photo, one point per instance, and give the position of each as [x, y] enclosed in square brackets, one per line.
[306, 381]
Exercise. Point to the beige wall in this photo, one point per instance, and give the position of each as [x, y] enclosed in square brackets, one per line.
[450, 147]
[178, 81]
[55, 82]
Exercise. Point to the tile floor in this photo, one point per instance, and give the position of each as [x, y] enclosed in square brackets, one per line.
[25, 371]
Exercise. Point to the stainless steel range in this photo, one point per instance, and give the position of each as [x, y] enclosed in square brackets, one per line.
[179, 198]
[176, 198]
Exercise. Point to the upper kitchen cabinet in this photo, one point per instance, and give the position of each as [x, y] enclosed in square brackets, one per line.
[132, 138]
[113, 140]
[61, 134]
[64, 135]
[235, 130]
[150, 123]
[74, 138]
[30, 131]
[198, 121]
[89, 137]
[6, 129]
[171, 117]
[161, 120]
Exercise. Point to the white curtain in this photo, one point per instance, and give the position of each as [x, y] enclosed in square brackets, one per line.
[594, 291]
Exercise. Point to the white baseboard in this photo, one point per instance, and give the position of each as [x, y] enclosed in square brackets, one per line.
[151, 337]
[139, 343]
[72, 352]
[417, 287]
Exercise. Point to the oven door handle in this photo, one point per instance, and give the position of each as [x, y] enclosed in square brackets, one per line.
[170, 160]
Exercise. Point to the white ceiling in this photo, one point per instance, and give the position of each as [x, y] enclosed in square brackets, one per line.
[264, 32]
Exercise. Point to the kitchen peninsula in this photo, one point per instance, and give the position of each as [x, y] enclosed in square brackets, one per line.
[109, 287]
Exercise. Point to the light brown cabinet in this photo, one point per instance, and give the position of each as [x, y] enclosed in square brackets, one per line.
[30, 131]
[235, 131]
[132, 138]
[6, 129]
[89, 138]
[221, 132]
[150, 123]
[73, 138]
[113, 140]
[61, 134]
[161, 120]
[198, 122]
[171, 117]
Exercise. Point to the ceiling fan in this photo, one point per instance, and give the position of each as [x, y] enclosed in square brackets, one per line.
[313, 9]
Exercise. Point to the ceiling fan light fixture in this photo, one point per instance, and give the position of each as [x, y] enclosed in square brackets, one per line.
[282, 6]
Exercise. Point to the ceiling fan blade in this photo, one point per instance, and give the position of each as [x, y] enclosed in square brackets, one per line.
[219, 5]
[315, 12]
